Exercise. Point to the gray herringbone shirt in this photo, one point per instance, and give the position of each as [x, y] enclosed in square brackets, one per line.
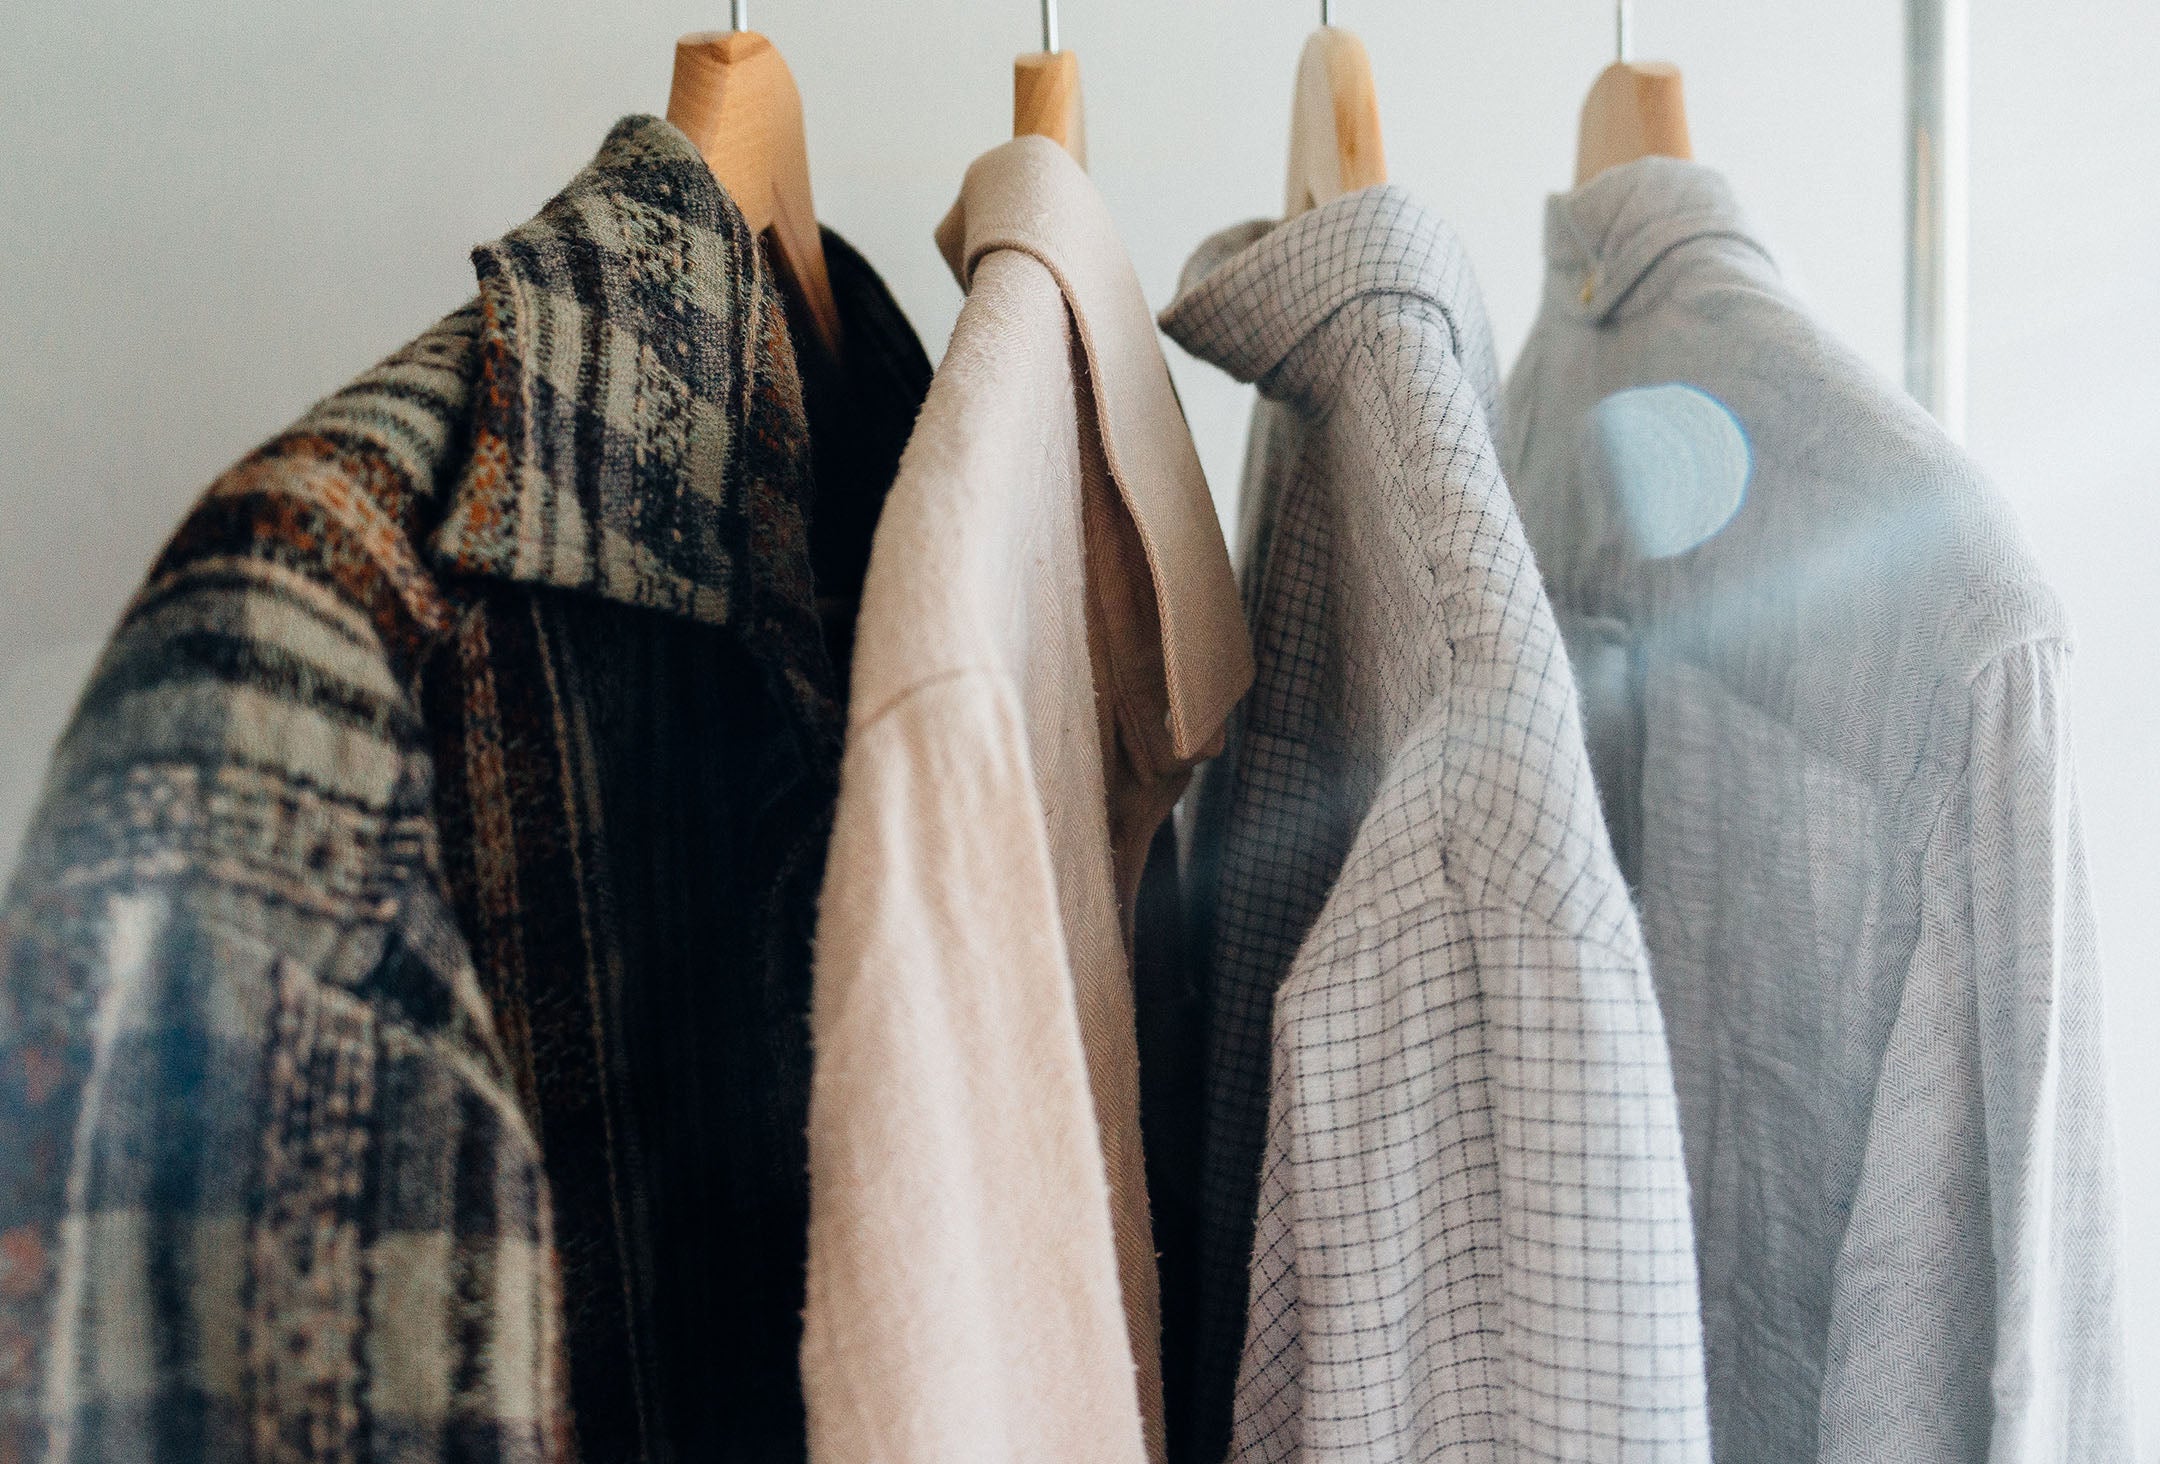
[1828, 691]
[1472, 1224]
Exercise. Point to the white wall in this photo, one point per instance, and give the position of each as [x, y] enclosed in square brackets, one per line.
[2066, 413]
[211, 214]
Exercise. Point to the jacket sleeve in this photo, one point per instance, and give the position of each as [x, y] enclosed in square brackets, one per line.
[1975, 1313]
[265, 1191]
[963, 1299]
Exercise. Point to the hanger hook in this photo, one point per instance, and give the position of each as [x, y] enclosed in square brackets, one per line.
[1620, 28]
[1327, 12]
[739, 15]
[1050, 26]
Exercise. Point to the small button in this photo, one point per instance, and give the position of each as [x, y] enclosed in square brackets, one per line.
[1589, 288]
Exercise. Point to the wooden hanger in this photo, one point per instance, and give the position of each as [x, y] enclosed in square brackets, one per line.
[1046, 93]
[735, 98]
[1634, 110]
[1334, 121]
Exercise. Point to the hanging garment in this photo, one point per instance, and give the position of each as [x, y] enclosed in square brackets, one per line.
[1829, 690]
[424, 887]
[1472, 1225]
[1050, 640]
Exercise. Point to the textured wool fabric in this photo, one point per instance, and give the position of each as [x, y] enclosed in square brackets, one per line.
[1830, 688]
[1472, 1235]
[402, 1048]
[1050, 640]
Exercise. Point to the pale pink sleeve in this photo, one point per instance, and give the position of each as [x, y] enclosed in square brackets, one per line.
[963, 1299]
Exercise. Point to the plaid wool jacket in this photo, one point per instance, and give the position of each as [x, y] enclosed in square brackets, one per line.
[402, 994]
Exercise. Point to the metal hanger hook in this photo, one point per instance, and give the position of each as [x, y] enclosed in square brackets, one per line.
[739, 15]
[1327, 12]
[1620, 28]
[1050, 26]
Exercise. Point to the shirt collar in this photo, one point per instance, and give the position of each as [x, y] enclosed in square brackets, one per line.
[1253, 293]
[1029, 195]
[1602, 238]
[639, 427]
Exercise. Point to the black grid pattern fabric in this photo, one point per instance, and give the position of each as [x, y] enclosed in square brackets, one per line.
[1440, 1126]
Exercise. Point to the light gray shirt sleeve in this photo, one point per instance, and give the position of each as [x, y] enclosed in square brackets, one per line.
[1990, 1136]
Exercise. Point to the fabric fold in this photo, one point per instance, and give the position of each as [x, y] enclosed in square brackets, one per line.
[1030, 196]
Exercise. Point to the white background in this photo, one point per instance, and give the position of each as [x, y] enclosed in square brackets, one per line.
[211, 214]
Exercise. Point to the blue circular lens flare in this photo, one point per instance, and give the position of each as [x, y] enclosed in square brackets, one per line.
[1676, 464]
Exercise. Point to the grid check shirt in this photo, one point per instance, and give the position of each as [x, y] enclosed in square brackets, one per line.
[1459, 1181]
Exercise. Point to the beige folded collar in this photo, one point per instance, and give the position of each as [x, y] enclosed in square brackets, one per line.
[1029, 195]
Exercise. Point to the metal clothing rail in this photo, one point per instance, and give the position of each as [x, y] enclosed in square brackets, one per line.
[1938, 173]
[1938, 165]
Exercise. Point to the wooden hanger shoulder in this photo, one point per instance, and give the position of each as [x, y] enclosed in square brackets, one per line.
[735, 99]
[1046, 101]
[1335, 143]
[1634, 110]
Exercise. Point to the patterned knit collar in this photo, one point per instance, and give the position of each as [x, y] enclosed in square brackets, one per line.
[639, 422]
[1252, 294]
[1602, 238]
